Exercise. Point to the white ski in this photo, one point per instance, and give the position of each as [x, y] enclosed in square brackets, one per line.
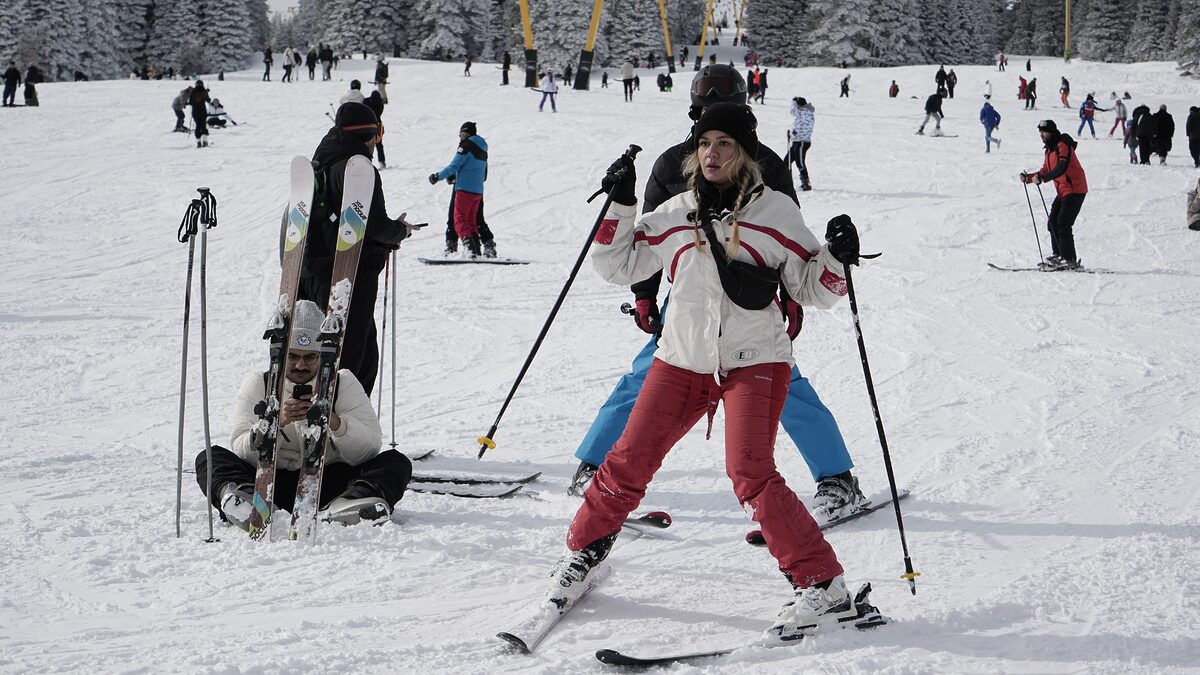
[545, 615]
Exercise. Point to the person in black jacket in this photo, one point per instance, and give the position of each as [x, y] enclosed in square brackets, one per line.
[199, 102]
[12, 79]
[33, 77]
[1164, 133]
[1144, 131]
[505, 66]
[381, 78]
[376, 103]
[1193, 134]
[356, 131]
[933, 110]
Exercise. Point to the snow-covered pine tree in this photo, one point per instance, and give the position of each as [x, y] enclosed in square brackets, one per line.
[226, 30]
[259, 21]
[1099, 30]
[560, 30]
[51, 37]
[309, 25]
[631, 28]
[98, 55]
[133, 33]
[16, 16]
[948, 31]
[1187, 36]
[776, 29]
[897, 39]
[685, 18]
[174, 24]
[381, 25]
[1149, 38]
[1020, 40]
[1047, 34]
[839, 33]
[982, 29]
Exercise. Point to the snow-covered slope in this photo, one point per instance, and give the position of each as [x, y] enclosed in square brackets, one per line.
[1046, 424]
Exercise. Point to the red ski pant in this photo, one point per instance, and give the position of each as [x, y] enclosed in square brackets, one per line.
[670, 403]
[466, 210]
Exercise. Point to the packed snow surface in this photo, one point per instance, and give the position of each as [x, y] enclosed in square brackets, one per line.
[1047, 424]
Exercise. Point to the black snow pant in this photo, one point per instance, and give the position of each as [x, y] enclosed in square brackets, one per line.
[1145, 149]
[10, 94]
[379, 153]
[485, 232]
[628, 89]
[200, 124]
[389, 472]
[360, 346]
[1194, 148]
[178, 120]
[1063, 213]
[799, 154]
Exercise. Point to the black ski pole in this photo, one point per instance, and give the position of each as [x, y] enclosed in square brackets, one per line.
[1043, 200]
[485, 442]
[1033, 219]
[394, 293]
[187, 235]
[387, 269]
[909, 574]
[208, 218]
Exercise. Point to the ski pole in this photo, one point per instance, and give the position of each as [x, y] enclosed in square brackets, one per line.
[1039, 187]
[395, 289]
[187, 235]
[909, 574]
[387, 267]
[485, 442]
[208, 217]
[1033, 219]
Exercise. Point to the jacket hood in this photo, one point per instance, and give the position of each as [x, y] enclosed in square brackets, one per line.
[338, 145]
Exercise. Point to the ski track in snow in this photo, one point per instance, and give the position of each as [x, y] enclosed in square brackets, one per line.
[1046, 424]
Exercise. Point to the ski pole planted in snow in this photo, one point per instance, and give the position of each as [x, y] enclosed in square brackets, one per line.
[1033, 219]
[485, 442]
[909, 574]
[208, 218]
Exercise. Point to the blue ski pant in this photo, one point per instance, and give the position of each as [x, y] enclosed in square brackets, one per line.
[805, 419]
[1086, 121]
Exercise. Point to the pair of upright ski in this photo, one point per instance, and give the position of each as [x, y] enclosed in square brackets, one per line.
[358, 189]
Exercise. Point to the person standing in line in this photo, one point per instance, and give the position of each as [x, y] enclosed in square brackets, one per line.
[1064, 93]
[933, 111]
[1062, 166]
[1121, 113]
[381, 77]
[693, 371]
[1087, 114]
[990, 119]
[268, 61]
[1192, 128]
[355, 132]
[627, 79]
[12, 80]
[1164, 133]
[467, 172]
[800, 134]
[549, 91]
[809, 424]
[199, 102]
[845, 87]
[361, 481]
[505, 66]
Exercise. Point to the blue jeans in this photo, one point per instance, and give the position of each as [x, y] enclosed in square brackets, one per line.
[1089, 123]
[805, 419]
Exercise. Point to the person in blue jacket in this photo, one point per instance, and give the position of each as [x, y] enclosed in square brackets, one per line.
[1087, 113]
[467, 172]
[990, 118]
[805, 418]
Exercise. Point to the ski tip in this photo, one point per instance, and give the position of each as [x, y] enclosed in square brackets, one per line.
[756, 538]
[515, 642]
[658, 519]
[611, 657]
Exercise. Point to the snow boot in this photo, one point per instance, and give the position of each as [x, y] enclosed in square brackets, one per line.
[838, 496]
[489, 249]
[236, 504]
[827, 603]
[361, 501]
[204, 140]
[582, 478]
[472, 244]
[568, 579]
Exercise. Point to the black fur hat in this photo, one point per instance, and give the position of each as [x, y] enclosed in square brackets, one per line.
[735, 119]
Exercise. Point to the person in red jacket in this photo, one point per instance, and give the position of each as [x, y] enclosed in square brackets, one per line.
[1061, 166]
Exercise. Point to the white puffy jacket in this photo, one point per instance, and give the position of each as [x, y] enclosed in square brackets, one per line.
[358, 439]
[704, 330]
[802, 122]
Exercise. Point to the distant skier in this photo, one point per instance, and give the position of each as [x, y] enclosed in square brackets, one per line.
[1064, 93]
[33, 77]
[1120, 112]
[467, 172]
[845, 87]
[894, 90]
[1022, 88]
[1062, 166]
[549, 91]
[199, 102]
[467, 65]
[933, 111]
[310, 62]
[376, 103]
[990, 119]
[181, 100]
[627, 79]
[505, 66]
[951, 82]
[800, 135]
[1087, 114]
[939, 78]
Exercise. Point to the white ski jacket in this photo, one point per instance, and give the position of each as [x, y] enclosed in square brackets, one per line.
[358, 439]
[803, 121]
[705, 331]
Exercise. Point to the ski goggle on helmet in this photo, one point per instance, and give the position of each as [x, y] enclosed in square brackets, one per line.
[716, 83]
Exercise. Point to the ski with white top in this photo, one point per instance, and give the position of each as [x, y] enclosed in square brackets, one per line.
[545, 615]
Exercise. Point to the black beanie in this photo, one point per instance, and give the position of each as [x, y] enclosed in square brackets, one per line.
[357, 118]
[732, 118]
[468, 127]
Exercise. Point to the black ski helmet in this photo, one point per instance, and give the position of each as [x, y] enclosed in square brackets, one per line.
[717, 83]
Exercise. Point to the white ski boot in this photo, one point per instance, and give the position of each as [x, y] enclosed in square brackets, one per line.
[811, 608]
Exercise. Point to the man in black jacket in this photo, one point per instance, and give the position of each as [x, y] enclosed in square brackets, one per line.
[1144, 131]
[933, 110]
[12, 80]
[1193, 134]
[1164, 133]
[805, 418]
[356, 130]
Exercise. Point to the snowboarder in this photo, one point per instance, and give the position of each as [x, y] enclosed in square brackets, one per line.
[1164, 132]
[1192, 129]
[1062, 166]
[381, 76]
[12, 80]
[1087, 114]
[990, 118]
[182, 99]
[199, 102]
[360, 479]
[681, 387]
[800, 135]
[549, 91]
[467, 172]
[356, 130]
[933, 111]
[805, 418]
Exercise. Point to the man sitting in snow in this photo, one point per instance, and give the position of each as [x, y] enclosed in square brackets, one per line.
[359, 481]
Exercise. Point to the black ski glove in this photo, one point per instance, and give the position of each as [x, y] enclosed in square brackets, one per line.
[842, 238]
[619, 181]
[433, 179]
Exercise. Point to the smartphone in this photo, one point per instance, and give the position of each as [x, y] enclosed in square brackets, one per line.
[301, 390]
